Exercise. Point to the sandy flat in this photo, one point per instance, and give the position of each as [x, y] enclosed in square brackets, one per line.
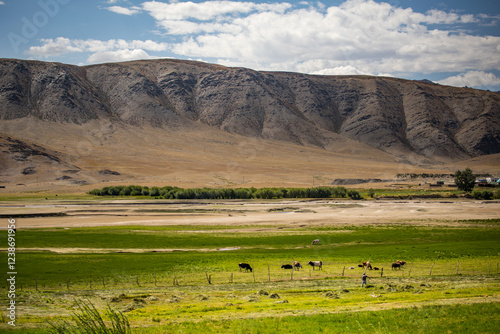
[240, 215]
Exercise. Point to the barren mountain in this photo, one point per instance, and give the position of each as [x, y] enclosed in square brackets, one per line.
[407, 121]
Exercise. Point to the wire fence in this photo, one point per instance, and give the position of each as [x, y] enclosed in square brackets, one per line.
[261, 273]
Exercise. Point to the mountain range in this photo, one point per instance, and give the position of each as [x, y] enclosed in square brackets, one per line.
[415, 122]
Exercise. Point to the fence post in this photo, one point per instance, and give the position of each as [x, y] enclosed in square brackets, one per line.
[430, 273]
[381, 271]
[458, 264]
[231, 281]
[343, 270]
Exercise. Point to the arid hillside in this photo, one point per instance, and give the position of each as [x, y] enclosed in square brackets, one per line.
[192, 123]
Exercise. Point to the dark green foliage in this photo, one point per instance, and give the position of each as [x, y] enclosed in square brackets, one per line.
[227, 193]
[485, 194]
[354, 194]
[465, 180]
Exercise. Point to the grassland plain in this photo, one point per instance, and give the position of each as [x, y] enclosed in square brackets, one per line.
[174, 267]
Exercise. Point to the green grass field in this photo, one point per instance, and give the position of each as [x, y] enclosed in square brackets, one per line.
[450, 283]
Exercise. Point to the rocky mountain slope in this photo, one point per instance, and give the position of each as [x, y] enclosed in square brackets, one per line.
[394, 115]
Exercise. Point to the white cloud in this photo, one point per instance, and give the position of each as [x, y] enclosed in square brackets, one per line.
[112, 50]
[207, 10]
[123, 10]
[52, 47]
[2, 3]
[118, 55]
[341, 70]
[472, 79]
[362, 34]
[355, 37]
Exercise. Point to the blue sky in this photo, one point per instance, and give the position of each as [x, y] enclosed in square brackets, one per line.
[451, 42]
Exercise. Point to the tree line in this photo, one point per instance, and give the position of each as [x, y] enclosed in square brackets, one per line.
[169, 192]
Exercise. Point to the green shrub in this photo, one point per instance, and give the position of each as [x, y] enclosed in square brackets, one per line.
[354, 194]
[88, 320]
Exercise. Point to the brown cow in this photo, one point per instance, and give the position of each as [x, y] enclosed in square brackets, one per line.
[396, 265]
[367, 264]
[296, 265]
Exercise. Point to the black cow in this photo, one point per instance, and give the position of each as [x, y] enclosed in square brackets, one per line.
[287, 266]
[245, 266]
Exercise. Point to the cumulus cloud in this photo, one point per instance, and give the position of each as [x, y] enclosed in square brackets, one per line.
[341, 70]
[355, 37]
[220, 10]
[54, 47]
[364, 35]
[118, 55]
[472, 79]
[101, 51]
[123, 10]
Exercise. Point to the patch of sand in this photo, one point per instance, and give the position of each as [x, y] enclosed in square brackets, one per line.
[253, 215]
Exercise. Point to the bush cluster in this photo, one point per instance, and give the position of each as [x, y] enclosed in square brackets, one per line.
[485, 194]
[169, 192]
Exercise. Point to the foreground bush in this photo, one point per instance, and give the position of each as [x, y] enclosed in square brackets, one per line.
[88, 320]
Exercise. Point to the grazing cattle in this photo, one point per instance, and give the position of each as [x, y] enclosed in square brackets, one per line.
[351, 267]
[398, 264]
[287, 266]
[245, 266]
[367, 264]
[360, 265]
[316, 242]
[315, 264]
[376, 268]
[296, 265]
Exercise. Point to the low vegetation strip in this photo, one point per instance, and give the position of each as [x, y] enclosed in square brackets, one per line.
[169, 192]
[33, 215]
